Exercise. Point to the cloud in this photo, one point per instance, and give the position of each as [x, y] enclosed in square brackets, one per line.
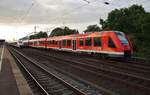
[18, 17]
[59, 11]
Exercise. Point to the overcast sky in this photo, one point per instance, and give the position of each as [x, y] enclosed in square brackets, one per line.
[18, 17]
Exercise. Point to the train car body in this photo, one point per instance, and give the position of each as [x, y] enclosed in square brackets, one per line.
[111, 43]
[38, 43]
[25, 43]
[20, 44]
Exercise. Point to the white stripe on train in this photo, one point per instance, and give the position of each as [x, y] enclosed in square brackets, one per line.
[78, 50]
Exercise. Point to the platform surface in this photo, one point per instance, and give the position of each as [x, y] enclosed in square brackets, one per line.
[12, 81]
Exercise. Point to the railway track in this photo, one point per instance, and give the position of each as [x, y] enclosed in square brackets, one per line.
[143, 71]
[136, 62]
[113, 65]
[47, 83]
[128, 80]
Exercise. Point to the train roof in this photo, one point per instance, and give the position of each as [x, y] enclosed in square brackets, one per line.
[89, 34]
[98, 33]
[40, 39]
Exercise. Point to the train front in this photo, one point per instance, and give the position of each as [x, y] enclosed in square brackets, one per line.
[125, 44]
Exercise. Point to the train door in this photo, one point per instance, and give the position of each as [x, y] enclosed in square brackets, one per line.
[60, 44]
[45, 43]
[74, 44]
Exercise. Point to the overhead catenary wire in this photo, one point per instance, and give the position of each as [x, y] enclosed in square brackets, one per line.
[70, 12]
[21, 19]
[74, 10]
[88, 2]
[27, 12]
[66, 14]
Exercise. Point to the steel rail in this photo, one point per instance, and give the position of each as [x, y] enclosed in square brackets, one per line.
[28, 72]
[92, 66]
[126, 74]
[77, 91]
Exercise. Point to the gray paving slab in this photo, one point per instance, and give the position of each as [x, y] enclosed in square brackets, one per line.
[12, 81]
[8, 84]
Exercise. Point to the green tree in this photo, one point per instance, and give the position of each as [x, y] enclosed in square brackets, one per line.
[125, 19]
[42, 34]
[63, 31]
[39, 35]
[146, 24]
[92, 28]
[24, 38]
[56, 32]
[135, 22]
[68, 31]
[104, 24]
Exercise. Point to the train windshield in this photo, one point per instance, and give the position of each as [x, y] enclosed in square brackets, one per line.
[19, 41]
[122, 38]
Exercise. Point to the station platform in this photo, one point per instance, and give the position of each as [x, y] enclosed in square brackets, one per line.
[12, 81]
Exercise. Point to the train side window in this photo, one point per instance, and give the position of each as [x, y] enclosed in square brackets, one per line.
[88, 41]
[43, 42]
[56, 42]
[111, 43]
[49, 42]
[30, 43]
[25, 43]
[64, 43]
[35, 43]
[97, 41]
[40, 42]
[81, 41]
[68, 42]
[53, 42]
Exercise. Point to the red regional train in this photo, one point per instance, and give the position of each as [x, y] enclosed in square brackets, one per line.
[108, 43]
